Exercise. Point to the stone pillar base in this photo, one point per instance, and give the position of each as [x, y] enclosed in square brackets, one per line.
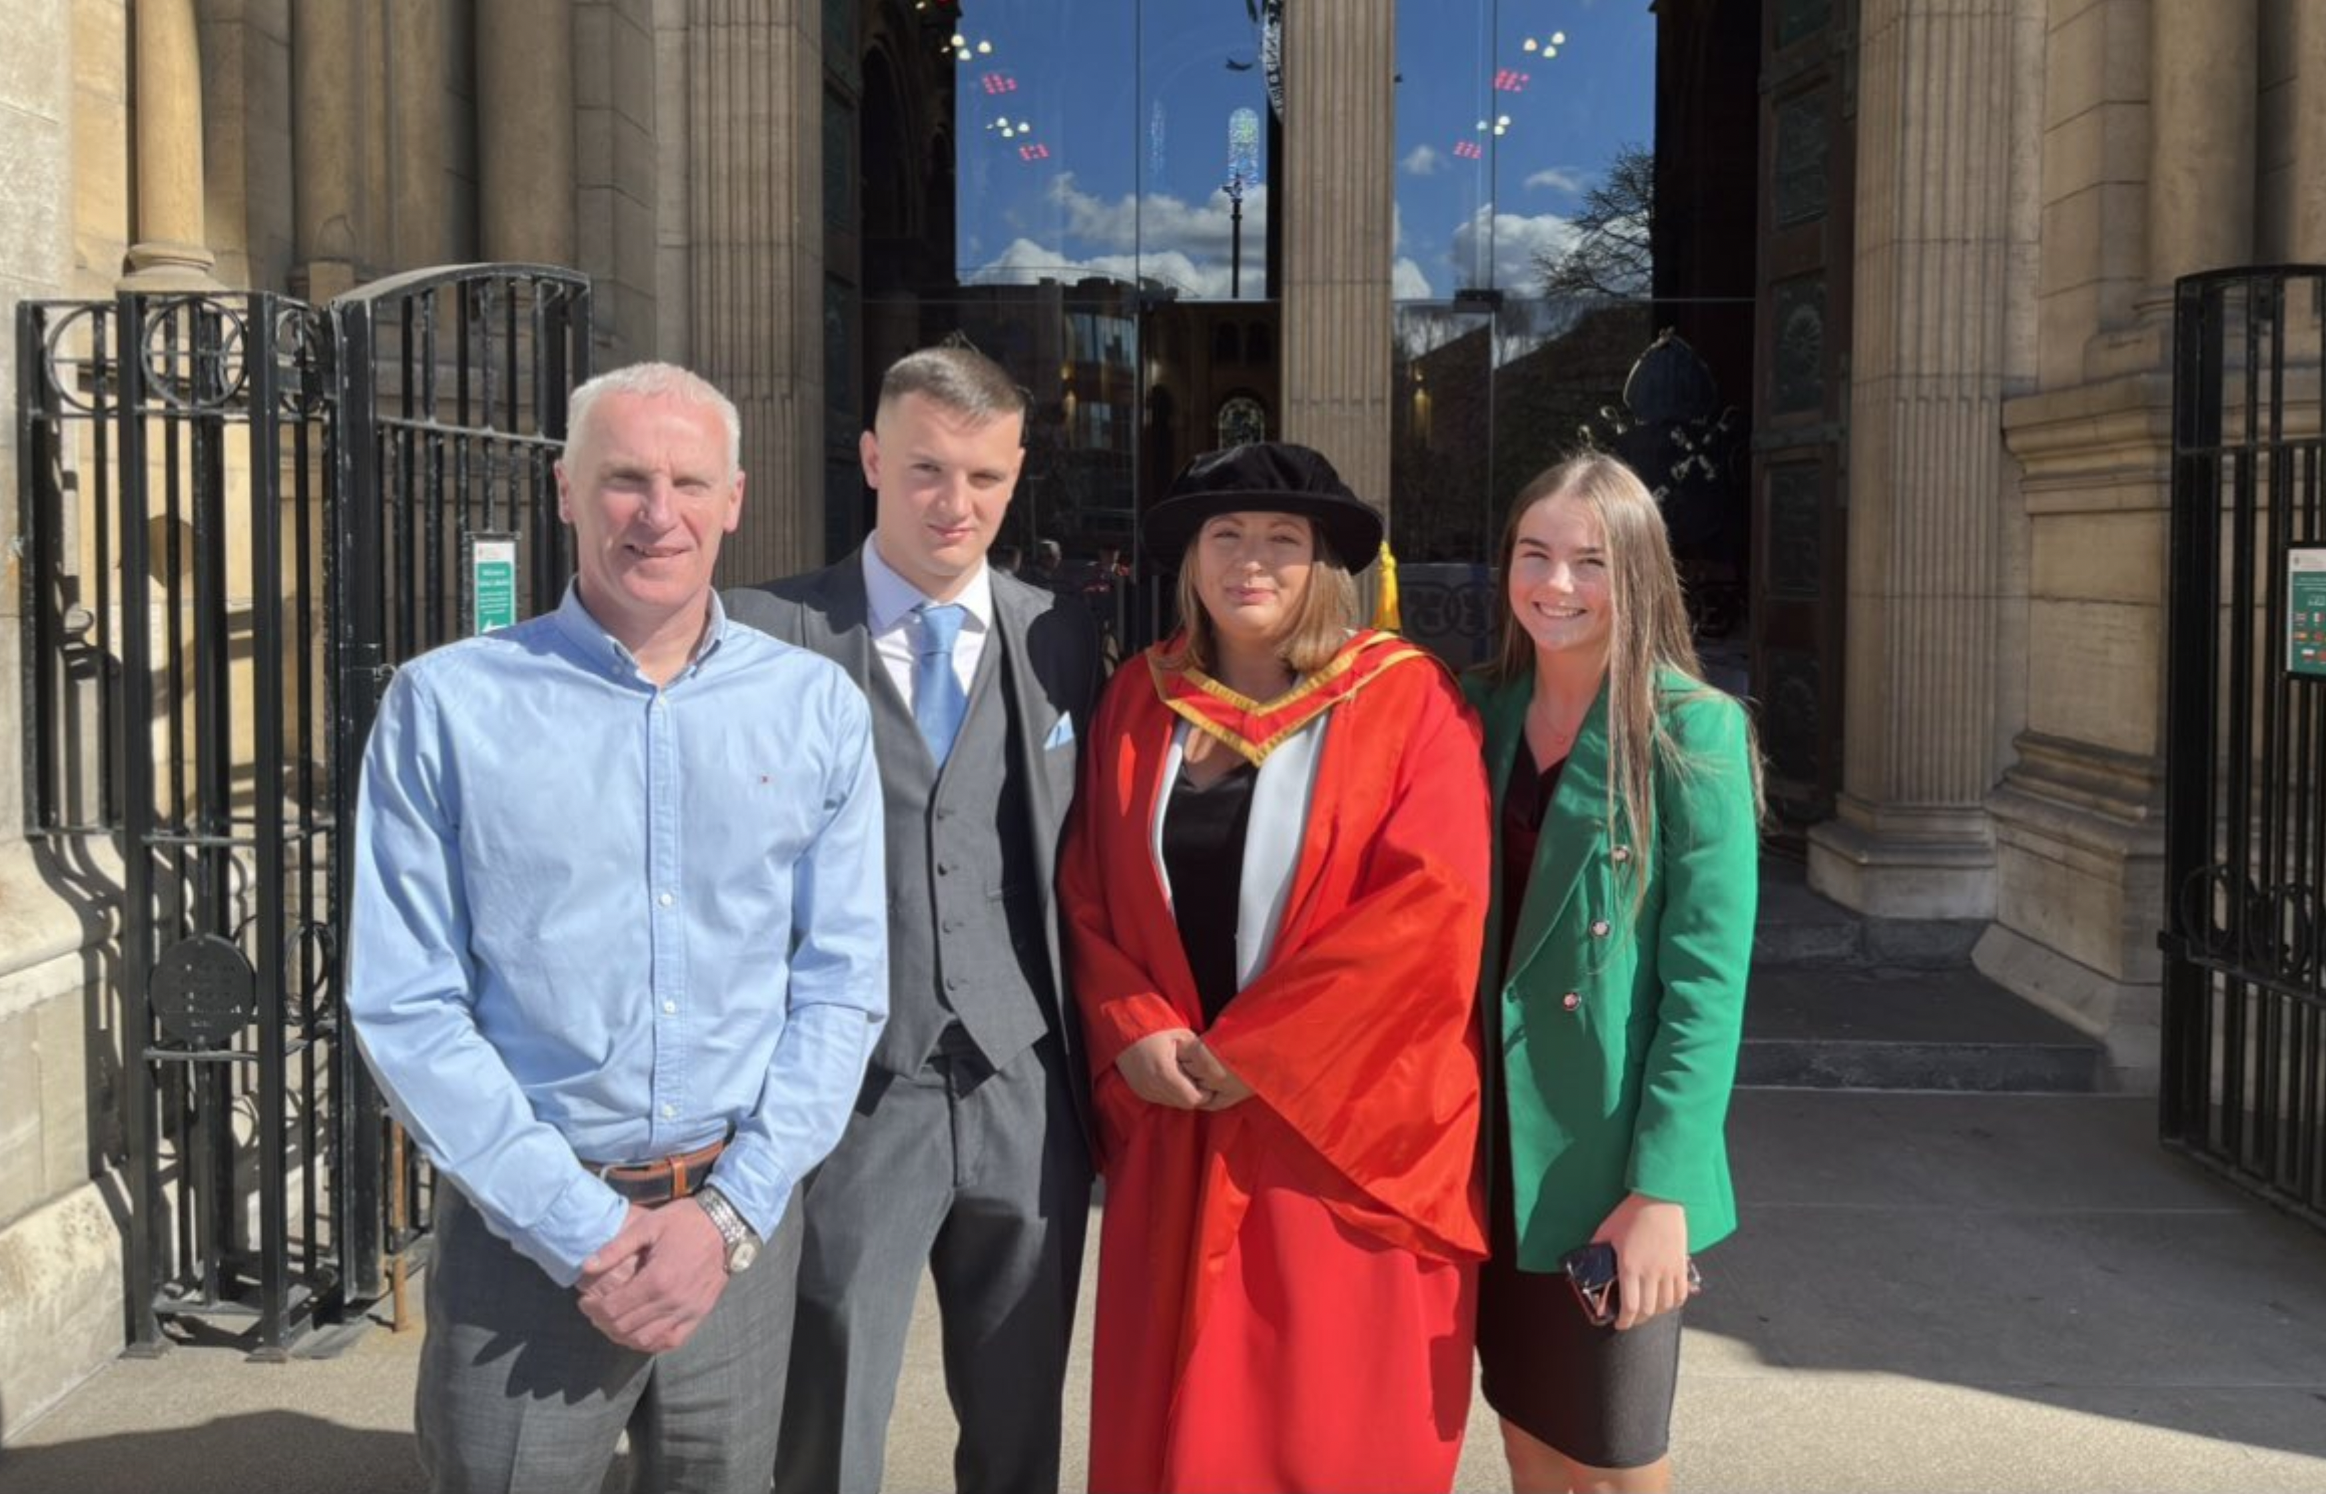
[2121, 1014]
[160, 265]
[61, 1295]
[2080, 870]
[1904, 863]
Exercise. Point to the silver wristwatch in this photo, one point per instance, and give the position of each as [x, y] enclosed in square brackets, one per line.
[742, 1244]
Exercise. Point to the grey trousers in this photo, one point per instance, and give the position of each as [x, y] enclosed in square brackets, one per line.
[982, 1178]
[520, 1392]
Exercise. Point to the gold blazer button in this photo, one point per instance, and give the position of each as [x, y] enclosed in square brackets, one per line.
[1599, 928]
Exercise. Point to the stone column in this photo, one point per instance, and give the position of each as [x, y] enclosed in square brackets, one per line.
[171, 251]
[419, 137]
[62, 1289]
[2202, 63]
[2077, 813]
[1929, 358]
[1335, 192]
[328, 84]
[2309, 126]
[753, 95]
[525, 181]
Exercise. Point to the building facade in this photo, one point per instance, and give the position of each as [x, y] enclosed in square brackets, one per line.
[1922, 250]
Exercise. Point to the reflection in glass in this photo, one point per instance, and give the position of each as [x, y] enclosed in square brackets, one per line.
[1524, 189]
[1080, 187]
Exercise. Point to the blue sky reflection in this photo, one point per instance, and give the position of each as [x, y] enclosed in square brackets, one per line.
[1094, 137]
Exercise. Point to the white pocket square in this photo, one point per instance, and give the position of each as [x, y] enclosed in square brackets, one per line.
[1061, 735]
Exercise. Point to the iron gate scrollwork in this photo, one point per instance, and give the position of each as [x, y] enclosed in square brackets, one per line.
[174, 485]
[237, 514]
[2244, 1020]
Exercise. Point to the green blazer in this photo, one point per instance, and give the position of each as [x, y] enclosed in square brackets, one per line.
[1612, 1037]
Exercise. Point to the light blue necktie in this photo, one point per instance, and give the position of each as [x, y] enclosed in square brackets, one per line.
[939, 702]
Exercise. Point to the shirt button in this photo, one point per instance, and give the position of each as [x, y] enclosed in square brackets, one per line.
[669, 1112]
[944, 868]
[670, 1007]
[1620, 855]
[666, 900]
[1599, 928]
[1570, 1001]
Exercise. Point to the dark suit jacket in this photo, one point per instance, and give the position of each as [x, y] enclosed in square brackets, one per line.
[1053, 684]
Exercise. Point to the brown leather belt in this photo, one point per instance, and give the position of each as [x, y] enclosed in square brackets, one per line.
[660, 1181]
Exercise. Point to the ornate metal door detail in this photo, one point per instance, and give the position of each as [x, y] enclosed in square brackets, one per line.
[2244, 1021]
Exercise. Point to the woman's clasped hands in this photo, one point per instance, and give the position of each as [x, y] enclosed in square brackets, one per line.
[1174, 1068]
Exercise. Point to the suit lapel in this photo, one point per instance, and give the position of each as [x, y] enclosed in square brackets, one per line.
[1571, 834]
[840, 608]
[1011, 624]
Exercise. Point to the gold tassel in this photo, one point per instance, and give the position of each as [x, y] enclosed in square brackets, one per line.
[1385, 615]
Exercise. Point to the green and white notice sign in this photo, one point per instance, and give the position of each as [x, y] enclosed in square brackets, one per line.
[492, 581]
[2306, 611]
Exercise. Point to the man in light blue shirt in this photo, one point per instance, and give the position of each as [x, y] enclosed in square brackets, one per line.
[618, 960]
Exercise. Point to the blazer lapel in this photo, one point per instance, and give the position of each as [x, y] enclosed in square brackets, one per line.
[1503, 715]
[1572, 831]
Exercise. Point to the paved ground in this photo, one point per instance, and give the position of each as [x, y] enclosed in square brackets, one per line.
[1932, 1292]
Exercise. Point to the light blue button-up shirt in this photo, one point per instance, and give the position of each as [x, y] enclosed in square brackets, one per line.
[596, 919]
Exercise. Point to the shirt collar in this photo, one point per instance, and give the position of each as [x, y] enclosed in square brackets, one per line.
[599, 647]
[889, 598]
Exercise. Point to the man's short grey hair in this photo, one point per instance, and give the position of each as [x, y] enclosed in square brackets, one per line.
[959, 379]
[654, 381]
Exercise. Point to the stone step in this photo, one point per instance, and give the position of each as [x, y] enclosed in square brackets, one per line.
[1800, 927]
[1838, 1027]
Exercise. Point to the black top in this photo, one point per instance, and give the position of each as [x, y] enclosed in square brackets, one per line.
[1525, 801]
[1203, 853]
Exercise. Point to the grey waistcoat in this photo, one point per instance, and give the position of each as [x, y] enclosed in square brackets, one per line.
[965, 936]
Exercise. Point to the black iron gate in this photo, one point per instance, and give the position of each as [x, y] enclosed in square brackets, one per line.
[2244, 1020]
[173, 491]
[452, 396]
[238, 513]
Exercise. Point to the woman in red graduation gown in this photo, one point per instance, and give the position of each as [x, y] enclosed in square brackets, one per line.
[1275, 886]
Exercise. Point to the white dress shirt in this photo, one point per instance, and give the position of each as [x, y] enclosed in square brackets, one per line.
[889, 602]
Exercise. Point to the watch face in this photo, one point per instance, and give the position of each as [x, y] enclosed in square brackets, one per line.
[741, 1254]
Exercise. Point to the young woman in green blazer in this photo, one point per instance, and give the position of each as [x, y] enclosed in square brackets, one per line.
[1626, 800]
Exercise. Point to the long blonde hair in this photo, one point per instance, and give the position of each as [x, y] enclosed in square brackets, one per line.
[1328, 610]
[1649, 634]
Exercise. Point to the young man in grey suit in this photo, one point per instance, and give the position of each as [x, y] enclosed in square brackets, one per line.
[968, 1150]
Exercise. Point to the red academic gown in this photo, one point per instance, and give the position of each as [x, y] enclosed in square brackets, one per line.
[1286, 1288]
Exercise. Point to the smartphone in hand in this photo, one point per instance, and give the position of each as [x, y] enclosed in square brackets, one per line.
[1591, 1272]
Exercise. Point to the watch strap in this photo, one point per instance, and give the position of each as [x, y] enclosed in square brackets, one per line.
[734, 1231]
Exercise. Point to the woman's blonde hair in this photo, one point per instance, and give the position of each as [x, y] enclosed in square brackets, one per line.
[1649, 634]
[1321, 624]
